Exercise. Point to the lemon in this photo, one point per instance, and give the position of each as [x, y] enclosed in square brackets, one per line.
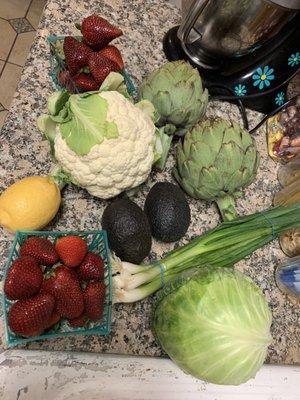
[29, 204]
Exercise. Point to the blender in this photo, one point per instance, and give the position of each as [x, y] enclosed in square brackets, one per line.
[245, 50]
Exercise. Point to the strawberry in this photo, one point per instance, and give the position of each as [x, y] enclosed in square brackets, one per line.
[41, 249]
[76, 54]
[101, 67]
[98, 32]
[77, 322]
[94, 297]
[24, 279]
[29, 317]
[85, 83]
[92, 267]
[71, 250]
[53, 320]
[63, 77]
[113, 54]
[64, 286]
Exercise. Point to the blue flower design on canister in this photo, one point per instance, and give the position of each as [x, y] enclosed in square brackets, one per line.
[294, 59]
[240, 90]
[263, 76]
[279, 99]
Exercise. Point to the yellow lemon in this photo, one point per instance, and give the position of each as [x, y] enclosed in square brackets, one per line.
[31, 203]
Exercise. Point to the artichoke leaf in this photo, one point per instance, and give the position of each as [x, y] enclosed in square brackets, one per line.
[194, 171]
[179, 117]
[207, 154]
[162, 103]
[185, 185]
[246, 139]
[230, 158]
[233, 135]
[230, 184]
[207, 179]
[185, 147]
[213, 140]
[181, 157]
[251, 158]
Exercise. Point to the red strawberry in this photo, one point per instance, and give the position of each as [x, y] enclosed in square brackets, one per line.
[41, 249]
[24, 279]
[98, 32]
[54, 319]
[76, 54]
[29, 317]
[78, 322]
[92, 267]
[63, 77]
[71, 250]
[101, 67]
[85, 83]
[94, 297]
[64, 286]
[113, 54]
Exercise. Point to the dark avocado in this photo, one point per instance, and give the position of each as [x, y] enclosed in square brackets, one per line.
[128, 230]
[168, 212]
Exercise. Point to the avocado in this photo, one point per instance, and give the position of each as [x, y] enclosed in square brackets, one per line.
[128, 230]
[168, 212]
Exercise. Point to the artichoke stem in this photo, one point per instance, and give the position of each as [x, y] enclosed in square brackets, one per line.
[226, 207]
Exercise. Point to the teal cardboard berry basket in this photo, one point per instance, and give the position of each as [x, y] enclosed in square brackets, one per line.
[97, 242]
[57, 64]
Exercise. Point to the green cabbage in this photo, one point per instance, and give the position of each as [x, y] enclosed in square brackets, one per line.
[215, 325]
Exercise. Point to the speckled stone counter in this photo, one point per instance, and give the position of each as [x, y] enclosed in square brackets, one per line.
[23, 153]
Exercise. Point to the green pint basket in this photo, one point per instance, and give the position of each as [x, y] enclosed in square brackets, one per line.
[97, 243]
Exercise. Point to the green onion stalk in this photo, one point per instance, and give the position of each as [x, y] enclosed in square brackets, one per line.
[222, 246]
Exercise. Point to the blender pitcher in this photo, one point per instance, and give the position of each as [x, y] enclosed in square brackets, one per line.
[212, 30]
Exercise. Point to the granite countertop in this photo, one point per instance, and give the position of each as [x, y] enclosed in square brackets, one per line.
[23, 153]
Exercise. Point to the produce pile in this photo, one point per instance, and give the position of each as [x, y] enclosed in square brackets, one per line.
[211, 320]
[51, 282]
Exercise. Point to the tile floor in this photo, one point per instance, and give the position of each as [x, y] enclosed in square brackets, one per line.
[18, 22]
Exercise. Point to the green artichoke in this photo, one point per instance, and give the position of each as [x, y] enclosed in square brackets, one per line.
[216, 159]
[177, 94]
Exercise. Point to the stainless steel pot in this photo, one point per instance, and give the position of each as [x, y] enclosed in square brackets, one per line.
[215, 29]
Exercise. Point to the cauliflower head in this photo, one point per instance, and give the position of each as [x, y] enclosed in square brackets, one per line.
[116, 164]
[101, 140]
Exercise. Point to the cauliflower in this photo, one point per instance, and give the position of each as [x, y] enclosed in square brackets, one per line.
[115, 164]
[102, 141]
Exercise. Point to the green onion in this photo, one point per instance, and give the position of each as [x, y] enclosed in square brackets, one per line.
[223, 246]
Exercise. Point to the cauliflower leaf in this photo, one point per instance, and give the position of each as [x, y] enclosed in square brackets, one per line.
[86, 124]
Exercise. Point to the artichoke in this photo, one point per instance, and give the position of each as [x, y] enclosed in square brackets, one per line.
[216, 159]
[177, 94]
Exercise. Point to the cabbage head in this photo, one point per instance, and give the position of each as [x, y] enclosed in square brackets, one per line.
[214, 325]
